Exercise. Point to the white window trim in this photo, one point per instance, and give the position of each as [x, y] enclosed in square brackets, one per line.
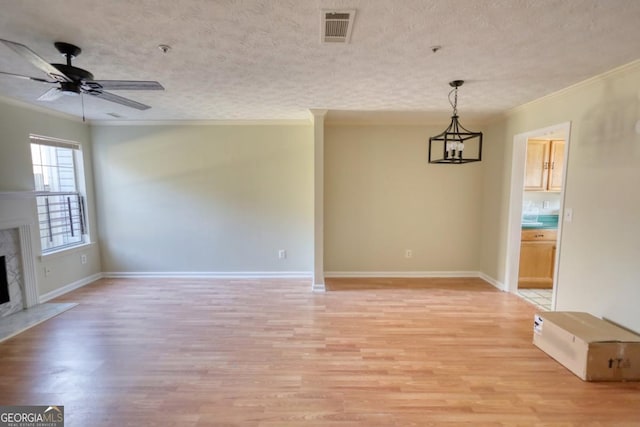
[54, 142]
[69, 250]
[81, 184]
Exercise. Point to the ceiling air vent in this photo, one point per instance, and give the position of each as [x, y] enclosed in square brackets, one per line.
[337, 25]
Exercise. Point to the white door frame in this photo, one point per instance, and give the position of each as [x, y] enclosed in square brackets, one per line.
[514, 231]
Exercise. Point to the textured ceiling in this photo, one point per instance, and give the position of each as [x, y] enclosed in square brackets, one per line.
[263, 60]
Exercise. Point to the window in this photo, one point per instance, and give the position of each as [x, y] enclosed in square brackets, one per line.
[57, 167]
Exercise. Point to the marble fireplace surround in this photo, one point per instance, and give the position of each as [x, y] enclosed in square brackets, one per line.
[29, 289]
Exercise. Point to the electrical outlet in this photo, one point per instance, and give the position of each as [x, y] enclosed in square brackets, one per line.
[282, 254]
[408, 253]
[83, 259]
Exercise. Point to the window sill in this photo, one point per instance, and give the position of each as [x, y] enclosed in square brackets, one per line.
[67, 251]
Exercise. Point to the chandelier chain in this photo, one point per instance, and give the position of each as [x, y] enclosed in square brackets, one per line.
[454, 104]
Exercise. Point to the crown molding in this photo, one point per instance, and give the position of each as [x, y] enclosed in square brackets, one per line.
[274, 122]
[584, 83]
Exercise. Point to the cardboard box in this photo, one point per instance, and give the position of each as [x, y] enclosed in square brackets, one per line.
[591, 348]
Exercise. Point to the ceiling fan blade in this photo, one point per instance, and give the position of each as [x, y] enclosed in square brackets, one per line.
[108, 96]
[51, 95]
[128, 85]
[36, 60]
[20, 76]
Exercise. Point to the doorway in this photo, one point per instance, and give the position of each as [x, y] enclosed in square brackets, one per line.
[532, 231]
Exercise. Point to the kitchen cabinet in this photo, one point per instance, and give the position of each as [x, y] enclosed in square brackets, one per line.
[556, 164]
[544, 166]
[537, 258]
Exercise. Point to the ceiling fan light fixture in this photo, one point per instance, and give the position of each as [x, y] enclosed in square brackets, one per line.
[456, 144]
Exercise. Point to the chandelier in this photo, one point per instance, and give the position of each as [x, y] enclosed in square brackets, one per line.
[456, 145]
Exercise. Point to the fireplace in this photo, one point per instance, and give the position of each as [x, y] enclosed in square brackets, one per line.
[17, 259]
[18, 288]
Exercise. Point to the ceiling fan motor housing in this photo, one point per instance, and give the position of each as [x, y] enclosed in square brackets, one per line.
[74, 73]
[70, 88]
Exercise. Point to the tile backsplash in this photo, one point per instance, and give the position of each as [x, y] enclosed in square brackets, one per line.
[542, 203]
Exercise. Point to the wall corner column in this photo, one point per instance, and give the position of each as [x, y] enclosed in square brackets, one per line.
[317, 117]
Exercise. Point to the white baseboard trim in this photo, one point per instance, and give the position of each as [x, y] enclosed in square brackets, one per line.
[68, 288]
[316, 287]
[402, 274]
[208, 275]
[416, 274]
[492, 281]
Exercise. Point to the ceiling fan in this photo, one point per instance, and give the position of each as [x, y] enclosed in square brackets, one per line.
[70, 80]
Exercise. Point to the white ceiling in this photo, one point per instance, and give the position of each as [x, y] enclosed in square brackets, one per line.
[263, 60]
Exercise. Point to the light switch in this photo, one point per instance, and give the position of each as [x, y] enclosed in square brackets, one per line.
[568, 215]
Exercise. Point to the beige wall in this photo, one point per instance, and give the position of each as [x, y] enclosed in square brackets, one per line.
[16, 174]
[205, 199]
[599, 268]
[382, 197]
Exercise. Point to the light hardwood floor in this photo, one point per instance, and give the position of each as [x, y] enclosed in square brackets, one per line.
[271, 353]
